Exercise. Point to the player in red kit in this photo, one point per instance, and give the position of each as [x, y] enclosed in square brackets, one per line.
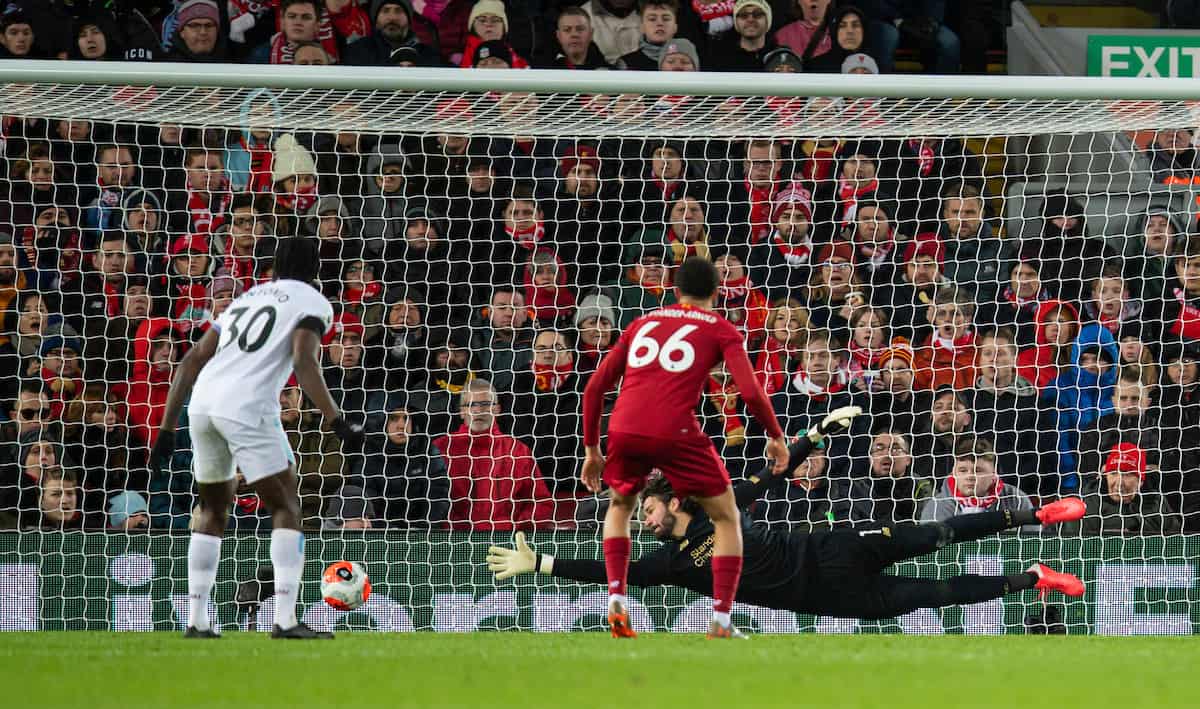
[664, 358]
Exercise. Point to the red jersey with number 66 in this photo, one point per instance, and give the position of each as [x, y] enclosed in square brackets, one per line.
[665, 357]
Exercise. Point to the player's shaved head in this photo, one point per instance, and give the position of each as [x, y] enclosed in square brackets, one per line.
[697, 277]
[297, 259]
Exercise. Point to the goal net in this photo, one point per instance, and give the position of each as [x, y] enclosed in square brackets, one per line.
[1007, 285]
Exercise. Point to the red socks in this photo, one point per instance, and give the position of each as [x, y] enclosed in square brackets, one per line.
[726, 571]
[616, 562]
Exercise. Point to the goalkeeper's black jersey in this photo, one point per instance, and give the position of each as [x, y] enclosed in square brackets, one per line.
[773, 567]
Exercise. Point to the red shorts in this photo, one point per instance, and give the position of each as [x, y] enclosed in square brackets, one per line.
[691, 465]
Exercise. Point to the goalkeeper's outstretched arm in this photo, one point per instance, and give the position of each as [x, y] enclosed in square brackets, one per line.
[652, 569]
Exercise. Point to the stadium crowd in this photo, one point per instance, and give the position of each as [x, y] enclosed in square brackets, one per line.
[477, 281]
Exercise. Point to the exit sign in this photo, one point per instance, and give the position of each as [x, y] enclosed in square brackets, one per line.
[1152, 55]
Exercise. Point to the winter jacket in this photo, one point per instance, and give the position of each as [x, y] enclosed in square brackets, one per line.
[148, 386]
[1147, 273]
[319, 465]
[1080, 397]
[407, 484]
[1022, 431]
[550, 423]
[495, 484]
[1039, 364]
[898, 500]
[935, 366]
[383, 214]
[833, 503]
[376, 50]
[501, 358]
[1148, 514]
[977, 263]
[944, 505]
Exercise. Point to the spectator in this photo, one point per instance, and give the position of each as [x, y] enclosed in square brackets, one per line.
[115, 174]
[870, 337]
[813, 501]
[947, 356]
[782, 60]
[857, 180]
[393, 25]
[617, 27]
[1135, 351]
[493, 54]
[1179, 405]
[250, 162]
[846, 36]
[61, 371]
[809, 28]
[817, 387]
[350, 510]
[101, 289]
[1178, 311]
[305, 21]
[744, 48]
[488, 22]
[1070, 258]
[397, 360]
[311, 54]
[1111, 304]
[294, 184]
[1149, 250]
[95, 39]
[361, 293]
[1118, 503]
[339, 237]
[973, 253]
[128, 511]
[873, 234]
[185, 285]
[860, 63]
[96, 436]
[426, 257]
[834, 289]
[781, 263]
[318, 454]
[1017, 304]
[975, 486]
[28, 415]
[677, 55]
[574, 46]
[917, 23]
[202, 204]
[108, 346]
[750, 200]
[503, 337]
[546, 291]
[241, 240]
[345, 375]
[583, 208]
[739, 301]
[723, 418]
[199, 35]
[1056, 324]
[144, 221]
[659, 23]
[451, 368]
[780, 356]
[33, 184]
[498, 258]
[545, 405]
[898, 491]
[936, 433]
[404, 476]
[595, 325]
[1131, 418]
[495, 484]
[1174, 159]
[51, 253]
[57, 502]
[155, 353]
[1082, 394]
[16, 35]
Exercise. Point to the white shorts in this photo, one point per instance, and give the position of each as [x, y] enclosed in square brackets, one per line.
[222, 447]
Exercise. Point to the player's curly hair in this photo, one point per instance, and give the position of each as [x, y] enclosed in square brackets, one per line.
[658, 486]
[697, 277]
[297, 258]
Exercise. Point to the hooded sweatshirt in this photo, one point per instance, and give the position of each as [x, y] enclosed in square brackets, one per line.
[1039, 364]
[1081, 397]
[148, 387]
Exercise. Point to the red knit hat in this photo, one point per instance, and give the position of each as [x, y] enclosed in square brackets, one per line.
[794, 195]
[837, 249]
[195, 243]
[1126, 458]
[577, 154]
[343, 323]
[926, 244]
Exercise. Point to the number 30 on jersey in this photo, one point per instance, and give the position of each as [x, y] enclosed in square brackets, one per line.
[674, 355]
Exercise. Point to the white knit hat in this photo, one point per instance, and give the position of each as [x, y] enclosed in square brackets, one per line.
[291, 159]
[488, 7]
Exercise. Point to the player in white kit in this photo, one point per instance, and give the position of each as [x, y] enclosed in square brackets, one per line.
[234, 375]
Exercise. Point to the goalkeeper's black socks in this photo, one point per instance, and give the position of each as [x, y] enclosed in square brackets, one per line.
[1015, 583]
[968, 528]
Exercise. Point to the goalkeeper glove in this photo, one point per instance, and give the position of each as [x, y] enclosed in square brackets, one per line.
[837, 421]
[506, 563]
[164, 448]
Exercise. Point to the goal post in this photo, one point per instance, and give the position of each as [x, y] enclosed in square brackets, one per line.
[999, 270]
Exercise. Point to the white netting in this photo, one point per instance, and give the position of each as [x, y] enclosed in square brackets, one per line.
[871, 250]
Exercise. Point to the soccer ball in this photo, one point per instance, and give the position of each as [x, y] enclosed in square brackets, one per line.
[345, 585]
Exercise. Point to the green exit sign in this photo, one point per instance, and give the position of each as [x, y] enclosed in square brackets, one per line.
[1154, 55]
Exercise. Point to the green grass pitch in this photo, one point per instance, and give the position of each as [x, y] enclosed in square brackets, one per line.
[358, 670]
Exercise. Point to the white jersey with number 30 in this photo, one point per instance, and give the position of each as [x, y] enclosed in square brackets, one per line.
[253, 361]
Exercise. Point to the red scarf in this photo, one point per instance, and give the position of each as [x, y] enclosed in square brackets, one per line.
[740, 295]
[713, 11]
[849, 195]
[242, 268]
[953, 346]
[300, 201]
[112, 300]
[204, 219]
[527, 238]
[976, 503]
[761, 201]
[924, 156]
[1024, 303]
[284, 52]
[262, 158]
[795, 256]
[725, 399]
[354, 296]
[549, 303]
[820, 165]
[666, 187]
[552, 377]
[191, 296]
[771, 366]
[865, 357]
[657, 289]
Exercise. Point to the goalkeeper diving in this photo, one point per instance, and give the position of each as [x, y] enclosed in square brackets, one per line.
[829, 573]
